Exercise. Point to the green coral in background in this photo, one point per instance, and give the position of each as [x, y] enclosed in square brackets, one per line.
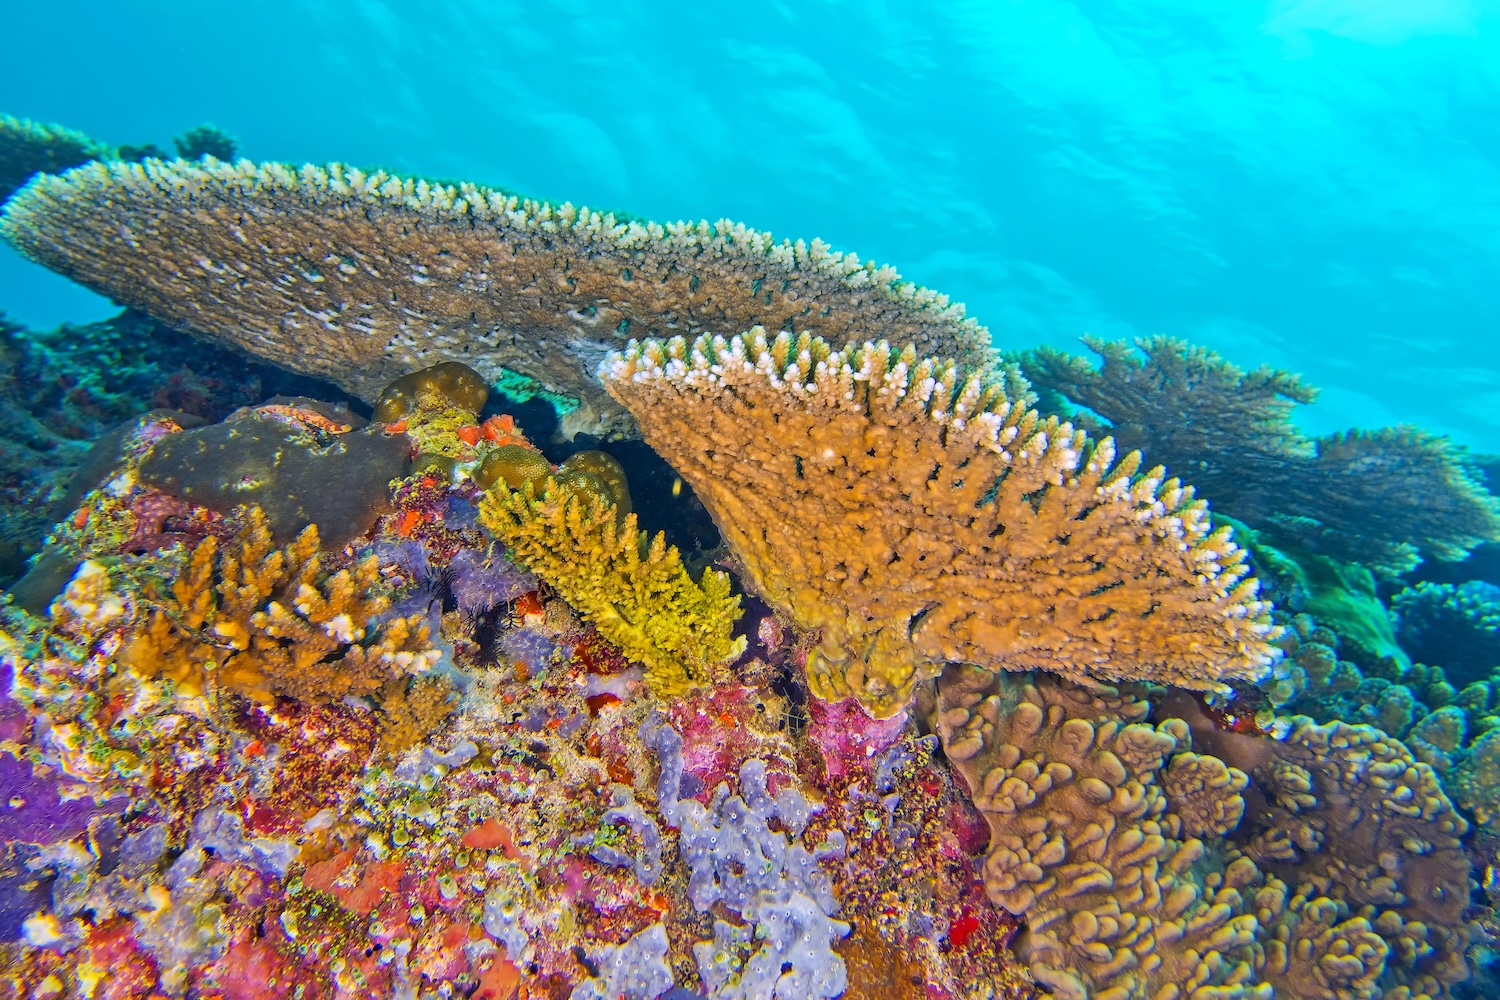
[206, 140]
[1457, 626]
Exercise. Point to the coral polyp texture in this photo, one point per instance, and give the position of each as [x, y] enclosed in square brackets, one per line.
[918, 515]
[1325, 866]
[362, 277]
[1382, 497]
[28, 148]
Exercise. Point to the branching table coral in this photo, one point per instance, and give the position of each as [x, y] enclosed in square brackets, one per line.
[362, 277]
[1376, 497]
[919, 517]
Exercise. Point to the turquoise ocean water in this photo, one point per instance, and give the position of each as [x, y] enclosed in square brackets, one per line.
[1313, 184]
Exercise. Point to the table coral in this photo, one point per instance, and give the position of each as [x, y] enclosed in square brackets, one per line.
[916, 515]
[1374, 497]
[634, 591]
[485, 277]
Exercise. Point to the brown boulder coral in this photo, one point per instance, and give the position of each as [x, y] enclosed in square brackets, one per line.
[1091, 814]
[917, 517]
[1344, 811]
[1375, 497]
[360, 278]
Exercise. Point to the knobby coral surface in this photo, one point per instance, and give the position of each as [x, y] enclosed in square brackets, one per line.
[634, 591]
[265, 621]
[1346, 810]
[1096, 818]
[916, 516]
[360, 278]
[1377, 497]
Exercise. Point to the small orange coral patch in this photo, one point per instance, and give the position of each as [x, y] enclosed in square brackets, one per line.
[498, 981]
[489, 835]
[322, 875]
[469, 434]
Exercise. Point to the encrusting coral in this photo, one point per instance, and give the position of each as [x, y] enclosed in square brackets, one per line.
[262, 621]
[636, 593]
[1348, 811]
[360, 278]
[1376, 497]
[28, 148]
[1341, 874]
[919, 517]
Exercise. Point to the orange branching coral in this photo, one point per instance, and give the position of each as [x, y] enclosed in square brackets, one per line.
[1375, 497]
[263, 621]
[917, 517]
[411, 709]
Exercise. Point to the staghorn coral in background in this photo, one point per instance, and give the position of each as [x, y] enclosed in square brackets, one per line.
[634, 591]
[262, 621]
[307, 257]
[917, 516]
[28, 148]
[1380, 497]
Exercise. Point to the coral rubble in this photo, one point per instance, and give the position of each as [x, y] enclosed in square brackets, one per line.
[918, 515]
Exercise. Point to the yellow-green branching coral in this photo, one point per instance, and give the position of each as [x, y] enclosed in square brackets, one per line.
[636, 593]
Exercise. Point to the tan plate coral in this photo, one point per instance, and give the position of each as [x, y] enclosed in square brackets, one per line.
[362, 277]
[917, 517]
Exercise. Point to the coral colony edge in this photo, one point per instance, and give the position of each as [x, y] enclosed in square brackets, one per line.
[424, 592]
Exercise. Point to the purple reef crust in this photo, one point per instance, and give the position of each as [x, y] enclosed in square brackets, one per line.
[33, 812]
[481, 582]
[849, 738]
[14, 723]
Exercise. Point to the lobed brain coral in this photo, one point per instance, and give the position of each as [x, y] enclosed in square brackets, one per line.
[1149, 863]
